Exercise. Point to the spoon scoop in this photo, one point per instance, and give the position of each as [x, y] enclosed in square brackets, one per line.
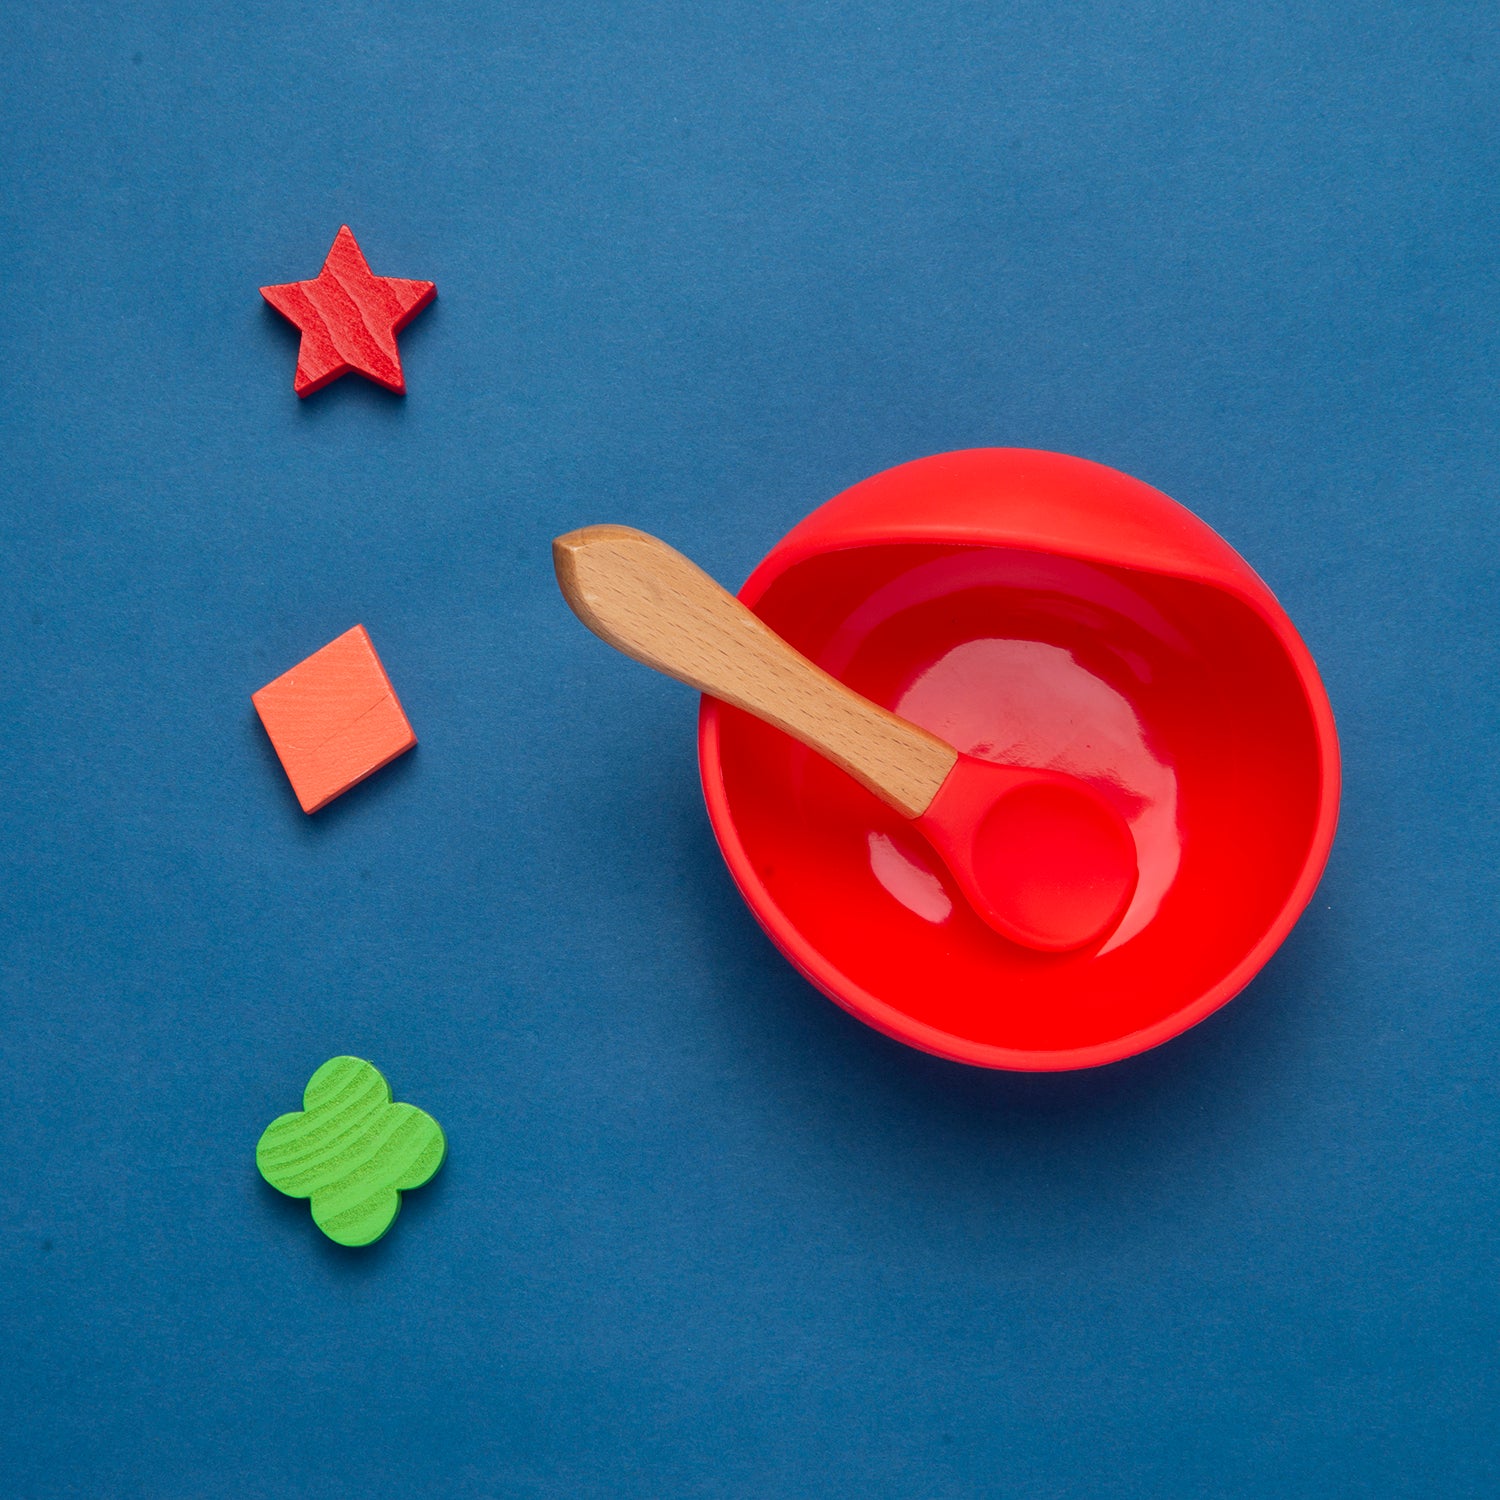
[1039, 855]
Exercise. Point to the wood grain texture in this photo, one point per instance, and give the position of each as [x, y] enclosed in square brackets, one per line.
[652, 603]
[351, 1150]
[349, 318]
[334, 719]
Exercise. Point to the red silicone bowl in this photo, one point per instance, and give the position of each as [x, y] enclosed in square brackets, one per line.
[1048, 611]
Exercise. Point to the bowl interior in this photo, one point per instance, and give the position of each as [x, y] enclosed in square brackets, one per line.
[1175, 699]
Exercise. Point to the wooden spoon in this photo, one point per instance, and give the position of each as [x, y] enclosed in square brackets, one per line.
[1040, 855]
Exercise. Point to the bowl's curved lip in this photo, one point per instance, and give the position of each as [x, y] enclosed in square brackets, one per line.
[1194, 552]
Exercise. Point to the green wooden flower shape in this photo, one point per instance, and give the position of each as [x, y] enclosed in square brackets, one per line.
[351, 1151]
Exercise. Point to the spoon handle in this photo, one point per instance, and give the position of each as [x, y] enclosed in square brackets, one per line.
[653, 604]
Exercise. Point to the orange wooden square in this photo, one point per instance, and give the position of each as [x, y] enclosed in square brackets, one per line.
[333, 719]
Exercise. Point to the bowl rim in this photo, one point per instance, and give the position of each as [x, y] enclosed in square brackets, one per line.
[1217, 565]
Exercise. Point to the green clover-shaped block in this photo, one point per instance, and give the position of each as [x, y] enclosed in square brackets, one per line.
[351, 1151]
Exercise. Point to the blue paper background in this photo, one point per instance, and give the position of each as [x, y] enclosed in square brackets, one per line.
[699, 267]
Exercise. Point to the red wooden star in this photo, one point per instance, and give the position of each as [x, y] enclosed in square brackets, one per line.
[349, 319]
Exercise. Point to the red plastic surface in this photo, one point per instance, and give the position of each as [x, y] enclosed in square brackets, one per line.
[349, 319]
[1046, 859]
[1033, 609]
